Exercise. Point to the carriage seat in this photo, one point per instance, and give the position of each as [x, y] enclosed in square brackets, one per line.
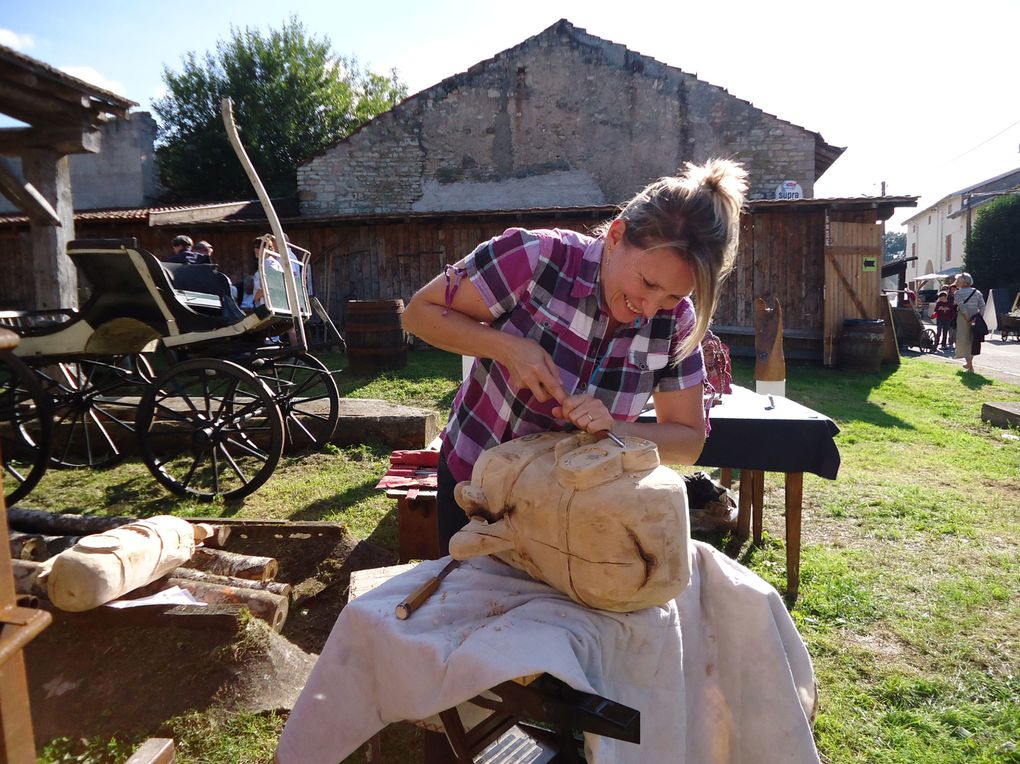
[204, 289]
[151, 289]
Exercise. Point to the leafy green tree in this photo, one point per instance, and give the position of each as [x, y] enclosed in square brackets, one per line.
[893, 242]
[292, 95]
[993, 254]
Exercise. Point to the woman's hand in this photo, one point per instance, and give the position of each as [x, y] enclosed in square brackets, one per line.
[585, 412]
[531, 367]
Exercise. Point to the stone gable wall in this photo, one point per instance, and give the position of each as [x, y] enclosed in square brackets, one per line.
[562, 119]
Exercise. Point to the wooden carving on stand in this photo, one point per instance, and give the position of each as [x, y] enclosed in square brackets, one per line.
[770, 364]
[606, 525]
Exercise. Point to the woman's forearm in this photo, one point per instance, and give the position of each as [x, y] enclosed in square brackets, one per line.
[678, 443]
[453, 331]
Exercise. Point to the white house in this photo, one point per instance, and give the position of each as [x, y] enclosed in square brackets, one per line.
[937, 235]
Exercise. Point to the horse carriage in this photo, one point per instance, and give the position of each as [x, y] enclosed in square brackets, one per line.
[162, 355]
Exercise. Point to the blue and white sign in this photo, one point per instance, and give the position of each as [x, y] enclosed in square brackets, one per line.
[789, 189]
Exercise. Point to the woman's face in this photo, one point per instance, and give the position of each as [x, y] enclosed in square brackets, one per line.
[638, 282]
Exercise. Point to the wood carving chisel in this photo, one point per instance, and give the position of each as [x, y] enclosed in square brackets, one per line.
[420, 595]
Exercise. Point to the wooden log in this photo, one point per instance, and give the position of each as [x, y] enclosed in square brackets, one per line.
[30, 578]
[221, 563]
[155, 750]
[51, 523]
[208, 530]
[27, 546]
[57, 544]
[191, 574]
[271, 608]
[225, 618]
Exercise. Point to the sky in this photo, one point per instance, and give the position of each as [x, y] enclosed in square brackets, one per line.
[925, 96]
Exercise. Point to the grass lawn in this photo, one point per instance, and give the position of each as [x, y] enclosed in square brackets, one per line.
[909, 574]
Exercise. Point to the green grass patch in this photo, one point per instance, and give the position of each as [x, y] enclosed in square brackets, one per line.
[909, 570]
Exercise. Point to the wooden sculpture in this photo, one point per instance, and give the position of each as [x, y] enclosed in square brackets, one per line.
[103, 566]
[770, 365]
[606, 525]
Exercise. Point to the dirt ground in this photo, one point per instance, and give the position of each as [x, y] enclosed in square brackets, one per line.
[97, 677]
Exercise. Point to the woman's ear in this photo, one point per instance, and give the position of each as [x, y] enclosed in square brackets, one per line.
[615, 233]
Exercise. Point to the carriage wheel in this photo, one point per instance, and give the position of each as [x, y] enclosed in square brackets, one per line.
[210, 428]
[308, 398]
[928, 341]
[94, 408]
[26, 428]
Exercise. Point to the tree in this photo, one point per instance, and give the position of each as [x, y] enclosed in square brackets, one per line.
[894, 242]
[292, 98]
[993, 253]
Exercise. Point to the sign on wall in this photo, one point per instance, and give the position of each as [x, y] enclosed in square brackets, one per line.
[789, 189]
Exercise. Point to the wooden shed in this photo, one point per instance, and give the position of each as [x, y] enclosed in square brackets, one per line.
[820, 257]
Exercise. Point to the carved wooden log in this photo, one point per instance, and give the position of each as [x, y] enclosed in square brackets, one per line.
[27, 546]
[103, 566]
[191, 574]
[30, 577]
[221, 563]
[606, 525]
[770, 364]
[271, 608]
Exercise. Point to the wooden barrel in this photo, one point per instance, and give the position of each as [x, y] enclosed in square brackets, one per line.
[860, 345]
[375, 338]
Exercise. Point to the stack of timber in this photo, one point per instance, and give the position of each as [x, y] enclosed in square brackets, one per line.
[226, 582]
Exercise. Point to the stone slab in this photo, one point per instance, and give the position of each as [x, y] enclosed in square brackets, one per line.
[1001, 413]
[399, 427]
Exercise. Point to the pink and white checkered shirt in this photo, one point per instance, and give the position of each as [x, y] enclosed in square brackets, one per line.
[546, 285]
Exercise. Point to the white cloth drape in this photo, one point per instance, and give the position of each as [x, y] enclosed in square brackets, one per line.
[719, 675]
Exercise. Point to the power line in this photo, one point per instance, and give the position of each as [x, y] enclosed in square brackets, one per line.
[975, 148]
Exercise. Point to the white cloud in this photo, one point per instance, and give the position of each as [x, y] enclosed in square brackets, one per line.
[93, 77]
[13, 39]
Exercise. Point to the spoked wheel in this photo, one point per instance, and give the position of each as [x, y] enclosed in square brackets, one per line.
[307, 396]
[928, 341]
[210, 428]
[94, 408]
[26, 428]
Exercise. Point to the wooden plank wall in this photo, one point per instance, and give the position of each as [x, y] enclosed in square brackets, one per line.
[780, 256]
[851, 292]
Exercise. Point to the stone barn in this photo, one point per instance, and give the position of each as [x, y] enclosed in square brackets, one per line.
[564, 119]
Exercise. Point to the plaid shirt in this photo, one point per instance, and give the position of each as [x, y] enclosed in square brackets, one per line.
[545, 285]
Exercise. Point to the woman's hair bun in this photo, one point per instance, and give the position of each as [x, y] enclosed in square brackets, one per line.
[718, 175]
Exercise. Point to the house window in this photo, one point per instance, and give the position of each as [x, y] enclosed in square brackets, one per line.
[949, 247]
[913, 249]
[950, 208]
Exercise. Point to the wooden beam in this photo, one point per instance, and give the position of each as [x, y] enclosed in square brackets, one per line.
[25, 197]
[34, 107]
[56, 282]
[69, 140]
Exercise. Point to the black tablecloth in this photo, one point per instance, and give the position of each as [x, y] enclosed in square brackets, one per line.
[786, 438]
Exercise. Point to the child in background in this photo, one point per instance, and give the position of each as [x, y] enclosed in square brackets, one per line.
[945, 314]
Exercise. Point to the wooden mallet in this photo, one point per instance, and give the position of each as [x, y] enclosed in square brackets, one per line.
[420, 595]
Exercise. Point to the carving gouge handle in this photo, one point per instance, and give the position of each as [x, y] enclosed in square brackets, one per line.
[420, 595]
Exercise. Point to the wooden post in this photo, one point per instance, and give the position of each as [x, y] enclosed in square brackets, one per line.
[17, 627]
[56, 282]
[744, 505]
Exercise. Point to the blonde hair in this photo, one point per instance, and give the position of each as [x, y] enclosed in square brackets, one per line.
[697, 213]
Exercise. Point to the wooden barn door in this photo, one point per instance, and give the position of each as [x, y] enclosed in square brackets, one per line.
[853, 266]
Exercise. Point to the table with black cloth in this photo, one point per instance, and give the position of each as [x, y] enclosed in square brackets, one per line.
[757, 434]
